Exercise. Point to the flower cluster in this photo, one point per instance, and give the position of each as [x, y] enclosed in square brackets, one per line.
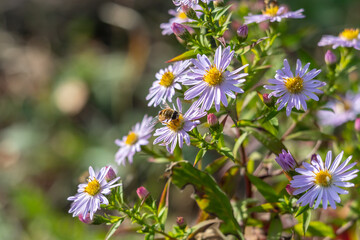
[218, 80]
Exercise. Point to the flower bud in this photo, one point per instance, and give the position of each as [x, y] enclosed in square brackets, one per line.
[212, 119]
[269, 101]
[290, 190]
[189, 12]
[180, 222]
[330, 58]
[286, 161]
[242, 32]
[142, 192]
[110, 174]
[85, 219]
[357, 124]
[180, 31]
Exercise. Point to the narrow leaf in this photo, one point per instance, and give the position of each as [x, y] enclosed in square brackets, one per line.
[265, 189]
[306, 220]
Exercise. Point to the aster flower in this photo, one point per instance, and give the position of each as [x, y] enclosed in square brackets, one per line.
[91, 194]
[179, 17]
[189, 3]
[344, 110]
[347, 38]
[167, 81]
[175, 131]
[132, 143]
[286, 161]
[212, 81]
[274, 13]
[295, 90]
[322, 182]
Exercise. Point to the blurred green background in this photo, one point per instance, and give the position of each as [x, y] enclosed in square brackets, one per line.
[73, 78]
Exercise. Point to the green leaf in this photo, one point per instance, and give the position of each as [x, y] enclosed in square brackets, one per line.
[268, 207]
[113, 229]
[310, 135]
[183, 56]
[265, 189]
[199, 156]
[216, 165]
[301, 210]
[238, 143]
[318, 229]
[268, 140]
[275, 229]
[306, 220]
[209, 196]
[229, 180]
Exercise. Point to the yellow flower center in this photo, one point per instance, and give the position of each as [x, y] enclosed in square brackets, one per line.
[131, 138]
[182, 15]
[271, 11]
[167, 79]
[213, 76]
[323, 178]
[294, 85]
[93, 187]
[349, 34]
[176, 124]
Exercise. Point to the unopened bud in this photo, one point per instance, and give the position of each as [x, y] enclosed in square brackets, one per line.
[357, 124]
[142, 192]
[242, 32]
[180, 221]
[212, 119]
[85, 219]
[330, 58]
[180, 31]
[286, 161]
[269, 101]
[110, 174]
[290, 190]
[189, 12]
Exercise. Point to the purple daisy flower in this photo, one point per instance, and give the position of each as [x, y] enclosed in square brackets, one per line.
[274, 13]
[167, 81]
[179, 17]
[322, 182]
[189, 3]
[286, 161]
[295, 90]
[212, 81]
[344, 110]
[348, 38]
[176, 130]
[132, 143]
[91, 194]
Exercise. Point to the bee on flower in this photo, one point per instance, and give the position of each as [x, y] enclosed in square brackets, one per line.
[175, 131]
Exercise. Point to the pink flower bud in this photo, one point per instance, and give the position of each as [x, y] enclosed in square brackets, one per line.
[330, 58]
[212, 119]
[180, 31]
[357, 124]
[142, 192]
[110, 174]
[269, 101]
[85, 219]
[290, 190]
[242, 32]
[180, 221]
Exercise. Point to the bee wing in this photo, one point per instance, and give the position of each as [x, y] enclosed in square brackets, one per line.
[164, 105]
[153, 121]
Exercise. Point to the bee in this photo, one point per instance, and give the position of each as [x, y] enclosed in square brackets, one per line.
[167, 114]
